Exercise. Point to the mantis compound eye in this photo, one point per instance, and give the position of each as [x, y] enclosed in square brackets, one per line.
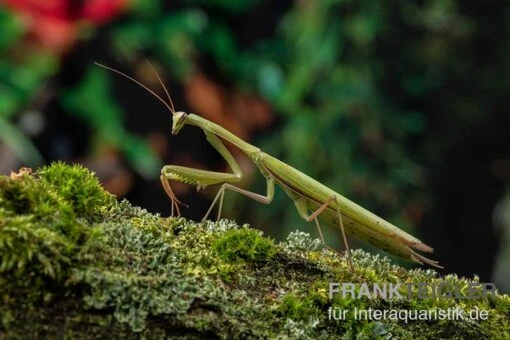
[179, 120]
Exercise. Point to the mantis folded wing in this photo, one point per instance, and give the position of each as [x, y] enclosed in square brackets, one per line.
[307, 194]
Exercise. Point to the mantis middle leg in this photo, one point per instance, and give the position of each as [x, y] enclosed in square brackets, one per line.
[257, 197]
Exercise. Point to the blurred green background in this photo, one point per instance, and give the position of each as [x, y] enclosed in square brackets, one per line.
[399, 105]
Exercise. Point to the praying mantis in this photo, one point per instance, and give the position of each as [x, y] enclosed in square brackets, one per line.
[312, 199]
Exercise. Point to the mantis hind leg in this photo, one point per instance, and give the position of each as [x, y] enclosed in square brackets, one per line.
[319, 229]
[301, 206]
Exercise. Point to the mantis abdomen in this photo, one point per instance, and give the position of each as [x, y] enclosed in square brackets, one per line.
[357, 221]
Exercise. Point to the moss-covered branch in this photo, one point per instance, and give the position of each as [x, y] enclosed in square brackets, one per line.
[77, 263]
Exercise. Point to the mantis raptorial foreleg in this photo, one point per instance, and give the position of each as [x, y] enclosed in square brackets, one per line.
[175, 202]
[198, 177]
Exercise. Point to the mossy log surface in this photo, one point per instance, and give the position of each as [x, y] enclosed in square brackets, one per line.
[76, 263]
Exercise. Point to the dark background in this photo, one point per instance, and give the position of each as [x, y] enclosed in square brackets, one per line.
[400, 106]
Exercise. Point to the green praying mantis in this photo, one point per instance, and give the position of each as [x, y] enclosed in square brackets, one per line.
[312, 199]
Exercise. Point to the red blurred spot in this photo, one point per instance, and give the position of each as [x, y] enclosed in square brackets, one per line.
[50, 8]
[53, 33]
[53, 24]
[101, 11]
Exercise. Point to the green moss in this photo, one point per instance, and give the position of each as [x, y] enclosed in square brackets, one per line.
[295, 308]
[43, 224]
[77, 187]
[244, 244]
[75, 263]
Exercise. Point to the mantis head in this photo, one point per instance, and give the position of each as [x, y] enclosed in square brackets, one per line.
[179, 119]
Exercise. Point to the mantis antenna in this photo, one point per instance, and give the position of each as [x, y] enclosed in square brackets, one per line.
[171, 108]
[162, 85]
